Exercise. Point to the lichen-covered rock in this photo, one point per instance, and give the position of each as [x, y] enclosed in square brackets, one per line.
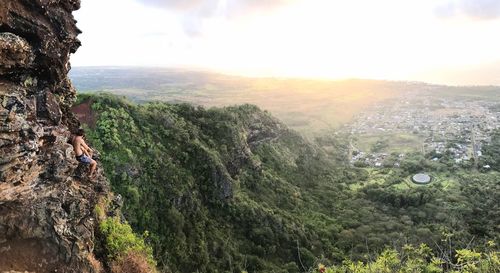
[15, 52]
[46, 204]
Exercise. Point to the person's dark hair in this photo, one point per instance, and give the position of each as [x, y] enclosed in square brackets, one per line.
[80, 132]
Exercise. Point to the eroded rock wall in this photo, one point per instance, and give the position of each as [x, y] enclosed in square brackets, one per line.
[45, 196]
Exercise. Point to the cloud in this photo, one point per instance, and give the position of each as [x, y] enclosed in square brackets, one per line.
[249, 6]
[473, 9]
[234, 5]
[193, 13]
[174, 4]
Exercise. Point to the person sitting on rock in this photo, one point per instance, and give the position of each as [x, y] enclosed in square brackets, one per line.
[82, 151]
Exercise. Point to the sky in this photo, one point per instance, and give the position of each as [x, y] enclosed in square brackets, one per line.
[453, 42]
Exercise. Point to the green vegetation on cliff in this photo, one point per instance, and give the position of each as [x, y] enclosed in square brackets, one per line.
[233, 189]
[422, 259]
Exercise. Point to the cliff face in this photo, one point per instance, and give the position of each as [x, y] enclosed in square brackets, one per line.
[46, 199]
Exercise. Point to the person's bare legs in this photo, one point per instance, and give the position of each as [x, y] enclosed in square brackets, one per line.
[93, 166]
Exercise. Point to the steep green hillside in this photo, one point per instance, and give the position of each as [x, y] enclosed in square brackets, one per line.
[233, 189]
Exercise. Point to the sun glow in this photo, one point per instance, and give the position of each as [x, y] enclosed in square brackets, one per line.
[387, 39]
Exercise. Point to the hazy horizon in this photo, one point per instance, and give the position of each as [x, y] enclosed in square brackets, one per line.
[277, 77]
[451, 42]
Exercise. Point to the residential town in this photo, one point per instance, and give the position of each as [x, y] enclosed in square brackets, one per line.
[457, 127]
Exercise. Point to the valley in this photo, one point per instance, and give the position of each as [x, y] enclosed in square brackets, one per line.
[234, 189]
[308, 106]
[116, 162]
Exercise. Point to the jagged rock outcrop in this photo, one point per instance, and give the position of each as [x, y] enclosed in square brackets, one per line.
[46, 203]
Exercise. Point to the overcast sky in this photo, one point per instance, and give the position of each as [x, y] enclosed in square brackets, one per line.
[440, 41]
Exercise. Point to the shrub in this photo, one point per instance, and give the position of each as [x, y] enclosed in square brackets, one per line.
[120, 241]
[132, 262]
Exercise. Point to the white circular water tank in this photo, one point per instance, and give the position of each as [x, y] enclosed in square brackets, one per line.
[421, 178]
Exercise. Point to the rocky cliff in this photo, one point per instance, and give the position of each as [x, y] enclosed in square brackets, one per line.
[46, 200]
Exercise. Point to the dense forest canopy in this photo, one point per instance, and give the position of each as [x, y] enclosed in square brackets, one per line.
[233, 189]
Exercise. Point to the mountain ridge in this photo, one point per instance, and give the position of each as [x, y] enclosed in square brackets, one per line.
[291, 203]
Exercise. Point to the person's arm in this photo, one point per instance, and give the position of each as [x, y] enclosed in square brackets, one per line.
[86, 149]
